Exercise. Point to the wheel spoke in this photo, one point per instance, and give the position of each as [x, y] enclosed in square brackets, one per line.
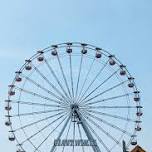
[112, 107]
[65, 80]
[71, 75]
[110, 124]
[45, 78]
[79, 74]
[46, 126]
[36, 112]
[105, 132]
[105, 91]
[104, 66]
[38, 121]
[111, 115]
[40, 86]
[109, 99]
[36, 104]
[38, 95]
[56, 78]
[51, 133]
[106, 80]
[86, 77]
[99, 139]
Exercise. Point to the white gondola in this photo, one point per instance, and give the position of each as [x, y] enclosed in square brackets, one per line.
[69, 50]
[131, 82]
[98, 54]
[138, 128]
[18, 78]
[111, 60]
[84, 51]
[122, 70]
[28, 66]
[11, 92]
[134, 141]
[40, 58]
[8, 107]
[8, 123]
[136, 98]
[139, 113]
[54, 52]
[11, 138]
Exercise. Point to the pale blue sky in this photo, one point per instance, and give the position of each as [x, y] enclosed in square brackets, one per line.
[123, 27]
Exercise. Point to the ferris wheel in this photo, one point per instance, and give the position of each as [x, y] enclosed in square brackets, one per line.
[73, 97]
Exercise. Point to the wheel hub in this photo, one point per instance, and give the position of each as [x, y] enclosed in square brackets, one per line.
[74, 106]
[74, 111]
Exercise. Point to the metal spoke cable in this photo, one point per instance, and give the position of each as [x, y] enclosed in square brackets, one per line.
[89, 86]
[113, 107]
[79, 74]
[86, 77]
[108, 99]
[36, 104]
[46, 126]
[45, 78]
[56, 78]
[38, 121]
[110, 124]
[83, 100]
[38, 95]
[114, 87]
[36, 112]
[43, 88]
[71, 75]
[65, 80]
[49, 134]
[104, 131]
[111, 115]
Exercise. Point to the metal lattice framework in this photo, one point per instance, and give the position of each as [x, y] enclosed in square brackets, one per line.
[73, 91]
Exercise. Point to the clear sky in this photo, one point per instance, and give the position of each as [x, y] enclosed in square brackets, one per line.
[123, 27]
